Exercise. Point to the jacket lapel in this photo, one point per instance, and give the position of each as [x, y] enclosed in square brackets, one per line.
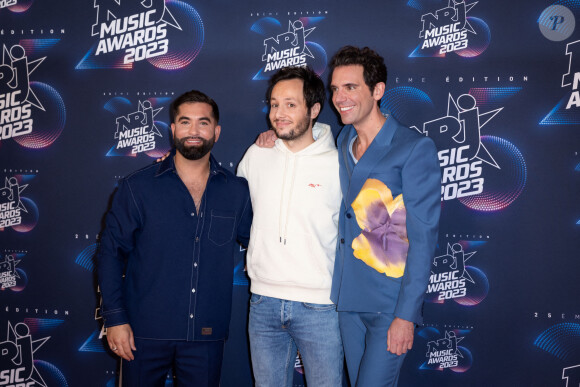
[378, 149]
[345, 173]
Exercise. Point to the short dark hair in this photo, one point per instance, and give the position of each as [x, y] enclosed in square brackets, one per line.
[313, 89]
[192, 97]
[374, 68]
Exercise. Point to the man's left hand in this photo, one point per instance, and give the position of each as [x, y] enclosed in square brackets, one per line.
[400, 336]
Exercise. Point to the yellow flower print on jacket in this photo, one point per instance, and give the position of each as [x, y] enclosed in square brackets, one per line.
[382, 243]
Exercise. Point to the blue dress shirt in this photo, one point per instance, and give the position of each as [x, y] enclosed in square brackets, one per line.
[165, 269]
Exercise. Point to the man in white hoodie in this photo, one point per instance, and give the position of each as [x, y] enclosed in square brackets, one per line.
[295, 193]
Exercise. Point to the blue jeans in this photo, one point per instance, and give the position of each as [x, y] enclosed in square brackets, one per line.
[279, 327]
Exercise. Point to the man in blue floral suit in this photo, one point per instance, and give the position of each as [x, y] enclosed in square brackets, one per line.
[390, 181]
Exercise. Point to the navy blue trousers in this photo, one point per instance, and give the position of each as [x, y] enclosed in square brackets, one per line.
[193, 363]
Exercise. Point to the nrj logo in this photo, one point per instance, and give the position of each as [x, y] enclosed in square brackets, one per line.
[17, 366]
[127, 32]
[461, 152]
[138, 33]
[8, 273]
[470, 162]
[452, 279]
[444, 352]
[290, 48]
[572, 77]
[16, 96]
[11, 206]
[287, 49]
[566, 112]
[448, 275]
[23, 117]
[17, 211]
[136, 131]
[449, 29]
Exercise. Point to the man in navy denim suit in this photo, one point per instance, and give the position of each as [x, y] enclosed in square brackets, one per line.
[166, 259]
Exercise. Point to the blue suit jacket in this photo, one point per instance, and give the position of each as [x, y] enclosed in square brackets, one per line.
[388, 222]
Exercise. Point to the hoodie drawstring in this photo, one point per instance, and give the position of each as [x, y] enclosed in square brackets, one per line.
[285, 234]
[282, 198]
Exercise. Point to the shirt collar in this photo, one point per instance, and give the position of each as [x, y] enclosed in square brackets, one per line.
[169, 165]
[215, 168]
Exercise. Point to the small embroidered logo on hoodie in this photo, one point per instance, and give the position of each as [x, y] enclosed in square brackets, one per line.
[313, 185]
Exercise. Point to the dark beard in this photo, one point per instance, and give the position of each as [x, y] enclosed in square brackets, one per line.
[194, 152]
[297, 132]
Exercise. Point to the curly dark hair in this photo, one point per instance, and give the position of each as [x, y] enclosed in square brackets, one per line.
[374, 68]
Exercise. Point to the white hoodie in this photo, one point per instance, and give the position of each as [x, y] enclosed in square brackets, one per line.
[295, 199]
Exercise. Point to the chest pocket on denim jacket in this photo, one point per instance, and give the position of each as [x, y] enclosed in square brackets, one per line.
[221, 226]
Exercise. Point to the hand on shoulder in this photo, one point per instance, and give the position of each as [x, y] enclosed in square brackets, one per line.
[266, 139]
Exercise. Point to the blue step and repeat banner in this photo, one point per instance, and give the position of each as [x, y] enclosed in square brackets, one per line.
[85, 88]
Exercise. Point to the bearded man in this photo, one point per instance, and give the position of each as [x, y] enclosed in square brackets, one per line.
[166, 259]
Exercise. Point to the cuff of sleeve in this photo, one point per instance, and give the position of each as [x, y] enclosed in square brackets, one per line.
[115, 317]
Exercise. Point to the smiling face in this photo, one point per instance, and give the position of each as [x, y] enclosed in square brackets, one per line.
[194, 130]
[289, 116]
[352, 97]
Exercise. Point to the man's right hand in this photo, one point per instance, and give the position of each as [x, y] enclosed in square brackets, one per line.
[121, 341]
[266, 139]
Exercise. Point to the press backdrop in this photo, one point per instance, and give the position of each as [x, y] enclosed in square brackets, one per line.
[85, 88]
